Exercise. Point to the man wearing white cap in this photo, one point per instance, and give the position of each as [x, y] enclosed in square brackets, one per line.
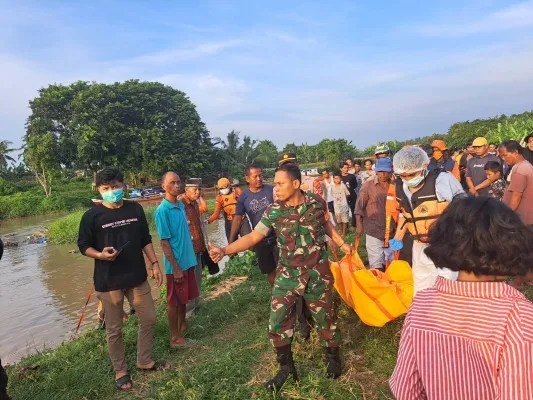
[422, 196]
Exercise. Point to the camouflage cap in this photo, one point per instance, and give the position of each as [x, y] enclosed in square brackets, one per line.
[382, 148]
[286, 157]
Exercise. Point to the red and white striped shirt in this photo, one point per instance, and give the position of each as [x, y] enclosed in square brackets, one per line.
[466, 340]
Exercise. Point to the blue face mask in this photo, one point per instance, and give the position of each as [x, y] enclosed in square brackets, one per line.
[113, 196]
[417, 180]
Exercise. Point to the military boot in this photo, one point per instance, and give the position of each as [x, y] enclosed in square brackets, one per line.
[333, 362]
[286, 369]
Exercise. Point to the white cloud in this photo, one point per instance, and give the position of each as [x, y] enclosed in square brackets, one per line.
[185, 54]
[215, 97]
[516, 16]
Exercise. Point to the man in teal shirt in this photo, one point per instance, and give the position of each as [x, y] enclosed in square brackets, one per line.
[180, 259]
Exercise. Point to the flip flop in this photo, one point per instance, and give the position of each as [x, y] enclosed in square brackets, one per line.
[124, 381]
[158, 366]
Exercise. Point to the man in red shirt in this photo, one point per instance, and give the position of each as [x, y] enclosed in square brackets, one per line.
[471, 339]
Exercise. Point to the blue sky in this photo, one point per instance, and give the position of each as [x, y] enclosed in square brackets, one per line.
[282, 70]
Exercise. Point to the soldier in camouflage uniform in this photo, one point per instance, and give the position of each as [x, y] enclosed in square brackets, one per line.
[303, 315]
[301, 222]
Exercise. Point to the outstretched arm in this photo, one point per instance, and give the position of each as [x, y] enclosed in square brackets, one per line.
[244, 243]
[216, 213]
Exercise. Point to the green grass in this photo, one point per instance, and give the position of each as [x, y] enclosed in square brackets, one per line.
[66, 195]
[64, 230]
[231, 357]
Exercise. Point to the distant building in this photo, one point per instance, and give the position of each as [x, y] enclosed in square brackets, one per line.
[310, 171]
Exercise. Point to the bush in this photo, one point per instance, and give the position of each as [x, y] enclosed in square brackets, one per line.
[6, 188]
[23, 198]
[64, 230]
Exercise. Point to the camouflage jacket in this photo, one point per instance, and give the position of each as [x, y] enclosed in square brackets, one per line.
[300, 231]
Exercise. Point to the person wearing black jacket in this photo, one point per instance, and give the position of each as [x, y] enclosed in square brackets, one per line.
[350, 181]
[115, 233]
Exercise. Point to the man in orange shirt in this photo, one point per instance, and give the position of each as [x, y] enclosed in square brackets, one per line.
[226, 202]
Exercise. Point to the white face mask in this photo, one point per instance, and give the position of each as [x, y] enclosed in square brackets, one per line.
[225, 191]
[417, 180]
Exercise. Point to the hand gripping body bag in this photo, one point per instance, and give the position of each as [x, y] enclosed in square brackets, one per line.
[377, 297]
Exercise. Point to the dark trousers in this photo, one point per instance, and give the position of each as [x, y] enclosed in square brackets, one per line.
[351, 204]
[244, 229]
[3, 383]
[406, 253]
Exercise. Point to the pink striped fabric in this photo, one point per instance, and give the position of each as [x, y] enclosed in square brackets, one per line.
[466, 340]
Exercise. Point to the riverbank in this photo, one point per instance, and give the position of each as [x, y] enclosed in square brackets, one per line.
[29, 198]
[230, 357]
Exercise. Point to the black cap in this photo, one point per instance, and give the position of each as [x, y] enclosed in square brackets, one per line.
[287, 157]
[193, 182]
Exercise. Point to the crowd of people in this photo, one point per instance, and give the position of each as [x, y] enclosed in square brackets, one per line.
[461, 218]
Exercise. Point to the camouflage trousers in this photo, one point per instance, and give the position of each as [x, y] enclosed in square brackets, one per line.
[315, 286]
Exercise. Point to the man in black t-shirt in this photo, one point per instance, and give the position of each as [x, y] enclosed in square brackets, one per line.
[115, 233]
[351, 183]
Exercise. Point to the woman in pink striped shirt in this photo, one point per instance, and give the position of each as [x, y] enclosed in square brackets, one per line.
[471, 338]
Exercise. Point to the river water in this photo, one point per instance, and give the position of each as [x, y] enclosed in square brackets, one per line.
[43, 288]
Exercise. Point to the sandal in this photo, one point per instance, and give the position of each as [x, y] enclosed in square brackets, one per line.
[123, 381]
[158, 366]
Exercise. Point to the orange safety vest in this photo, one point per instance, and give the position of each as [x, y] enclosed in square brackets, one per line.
[392, 212]
[423, 209]
[229, 203]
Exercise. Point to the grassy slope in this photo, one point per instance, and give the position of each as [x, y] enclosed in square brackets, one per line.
[230, 358]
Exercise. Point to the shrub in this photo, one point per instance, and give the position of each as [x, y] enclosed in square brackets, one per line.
[6, 188]
[64, 230]
[65, 196]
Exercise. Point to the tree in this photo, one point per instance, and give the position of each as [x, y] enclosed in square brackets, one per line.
[51, 112]
[333, 151]
[268, 154]
[290, 147]
[145, 128]
[5, 158]
[40, 154]
[234, 155]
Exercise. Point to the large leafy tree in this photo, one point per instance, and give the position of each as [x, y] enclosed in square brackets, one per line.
[145, 128]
